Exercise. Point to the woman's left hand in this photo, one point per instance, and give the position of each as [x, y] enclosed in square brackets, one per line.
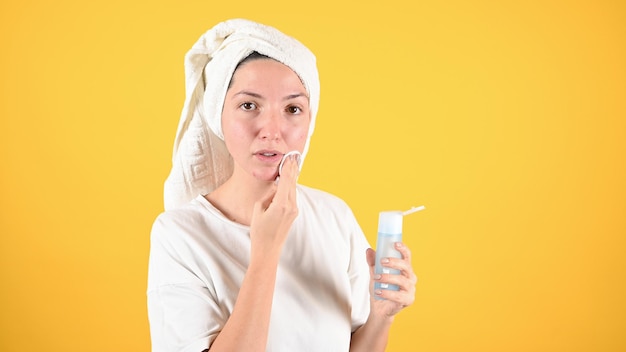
[394, 301]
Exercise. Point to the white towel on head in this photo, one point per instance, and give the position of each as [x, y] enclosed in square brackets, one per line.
[201, 162]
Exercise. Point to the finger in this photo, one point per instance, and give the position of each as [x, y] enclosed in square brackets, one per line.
[262, 204]
[291, 167]
[404, 250]
[295, 154]
[405, 295]
[404, 267]
[404, 264]
[402, 298]
[287, 184]
[406, 283]
[370, 255]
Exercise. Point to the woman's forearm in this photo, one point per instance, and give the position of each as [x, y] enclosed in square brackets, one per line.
[371, 336]
[248, 325]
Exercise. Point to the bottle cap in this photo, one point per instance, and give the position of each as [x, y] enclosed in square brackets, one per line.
[390, 222]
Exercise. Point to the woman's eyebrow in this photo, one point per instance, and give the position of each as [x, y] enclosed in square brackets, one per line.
[252, 94]
[257, 95]
[296, 95]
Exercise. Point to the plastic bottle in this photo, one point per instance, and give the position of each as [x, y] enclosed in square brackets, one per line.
[389, 232]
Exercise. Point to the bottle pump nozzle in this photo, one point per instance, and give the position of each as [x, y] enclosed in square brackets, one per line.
[413, 210]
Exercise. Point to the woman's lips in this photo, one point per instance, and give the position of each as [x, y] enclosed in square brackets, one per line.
[269, 156]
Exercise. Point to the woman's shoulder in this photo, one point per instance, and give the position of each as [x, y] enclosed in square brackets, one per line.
[333, 214]
[319, 195]
[196, 216]
[317, 198]
[184, 213]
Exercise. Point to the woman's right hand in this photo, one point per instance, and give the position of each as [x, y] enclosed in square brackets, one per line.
[274, 214]
[248, 325]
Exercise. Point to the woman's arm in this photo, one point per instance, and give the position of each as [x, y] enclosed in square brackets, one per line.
[371, 336]
[374, 334]
[248, 326]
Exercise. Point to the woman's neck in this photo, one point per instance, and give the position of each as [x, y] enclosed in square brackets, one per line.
[236, 197]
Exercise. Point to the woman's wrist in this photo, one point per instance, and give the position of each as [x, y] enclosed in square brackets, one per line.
[380, 319]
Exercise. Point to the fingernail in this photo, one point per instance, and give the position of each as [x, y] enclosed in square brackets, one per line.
[378, 292]
[399, 244]
[377, 277]
[385, 260]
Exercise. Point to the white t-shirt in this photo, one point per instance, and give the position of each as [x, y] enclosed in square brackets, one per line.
[198, 259]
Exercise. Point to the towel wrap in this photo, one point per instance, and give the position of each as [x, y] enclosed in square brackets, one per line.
[200, 161]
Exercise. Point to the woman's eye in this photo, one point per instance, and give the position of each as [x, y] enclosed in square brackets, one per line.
[248, 106]
[294, 110]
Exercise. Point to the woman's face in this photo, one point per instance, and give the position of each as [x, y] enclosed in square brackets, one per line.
[266, 114]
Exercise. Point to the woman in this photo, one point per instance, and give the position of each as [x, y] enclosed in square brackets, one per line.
[245, 260]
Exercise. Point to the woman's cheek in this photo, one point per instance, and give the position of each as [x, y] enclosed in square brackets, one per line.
[302, 139]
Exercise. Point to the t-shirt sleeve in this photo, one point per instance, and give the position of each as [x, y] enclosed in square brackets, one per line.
[359, 274]
[183, 313]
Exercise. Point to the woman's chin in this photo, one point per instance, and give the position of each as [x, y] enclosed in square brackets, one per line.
[265, 176]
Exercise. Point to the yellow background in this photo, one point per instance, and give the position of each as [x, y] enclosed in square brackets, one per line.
[506, 119]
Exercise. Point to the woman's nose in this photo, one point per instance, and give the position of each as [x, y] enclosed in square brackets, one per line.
[270, 126]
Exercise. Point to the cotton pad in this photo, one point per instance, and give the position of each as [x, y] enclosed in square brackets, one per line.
[280, 166]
